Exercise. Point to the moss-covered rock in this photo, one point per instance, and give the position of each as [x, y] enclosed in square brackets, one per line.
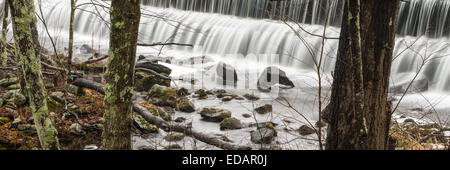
[162, 96]
[186, 106]
[214, 114]
[173, 147]
[263, 135]
[57, 96]
[227, 98]
[174, 136]
[13, 87]
[201, 94]
[182, 92]
[230, 123]
[264, 109]
[76, 129]
[14, 98]
[305, 130]
[8, 81]
[251, 97]
[145, 81]
[180, 119]
[144, 126]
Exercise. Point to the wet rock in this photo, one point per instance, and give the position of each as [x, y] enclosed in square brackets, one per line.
[419, 85]
[174, 136]
[144, 126]
[220, 91]
[74, 90]
[155, 67]
[263, 135]
[76, 129]
[409, 120]
[226, 73]
[186, 106]
[305, 130]
[180, 119]
[230, 124]
[173, 147]
[214, 114]
[162, 96]
[86, 49]
[269, 78]
[182, 92]
[227, 98]
[251, 97]
[201, 94]
[246, 115]
[145, 81]
[264, 109]
[263, 125]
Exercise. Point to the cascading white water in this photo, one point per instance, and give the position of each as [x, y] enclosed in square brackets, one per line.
[221, 35]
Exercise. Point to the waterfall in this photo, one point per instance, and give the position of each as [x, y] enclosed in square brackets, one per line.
[221, 35]
[416, 17]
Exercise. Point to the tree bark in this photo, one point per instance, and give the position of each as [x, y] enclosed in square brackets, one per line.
[119, 76]
[23, 17]
[72, 21]
[359, 118]
[3, 55]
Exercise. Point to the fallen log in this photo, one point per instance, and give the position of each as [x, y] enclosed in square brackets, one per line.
[165, 125]
[152, 72]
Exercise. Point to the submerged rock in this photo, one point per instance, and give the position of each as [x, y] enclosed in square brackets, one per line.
[226, 73]
[269, 78]
[215, 115]
[263, 135]
[264, 109]
[230, 123]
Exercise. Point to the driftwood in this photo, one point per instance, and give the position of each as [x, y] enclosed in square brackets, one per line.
[164, 125]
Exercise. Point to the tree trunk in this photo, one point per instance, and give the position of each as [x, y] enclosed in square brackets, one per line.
[119, 76]
[72, 20]
[359, 118]
[23, 17]
[3, 55]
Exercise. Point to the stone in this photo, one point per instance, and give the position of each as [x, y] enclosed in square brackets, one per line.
[180, 119]
[264, 109]
[174, 136]
[251, 97]
[186, 106]
[230, 124]
[147, 148]
[162, 96]
[214, 114]
[86, 49]
[305, 130]
[142, 124]
[246, 115]
[263, 135]
[320, 124]
[13, 87]
[8, 81]
[57, 96]
[201, 94]
[76, 129]
[226, 74]
[269, 78]
[14, 98]
[227, 98]
[154, 66]
[182, 92]
[145, 81]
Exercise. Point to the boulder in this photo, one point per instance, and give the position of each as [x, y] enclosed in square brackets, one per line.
[14, 98]
[226, 73]
[186, 106]
[180, 119]
[263, 135]
[214, 114]
[57, 96]
[230, 123]
[182, 92]
[8, 81]
[155, 67]
[227, 98]
[264, 109]
[162, 96]
[201, 94]
[145, 81]
[269, 78]
[305, 130]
